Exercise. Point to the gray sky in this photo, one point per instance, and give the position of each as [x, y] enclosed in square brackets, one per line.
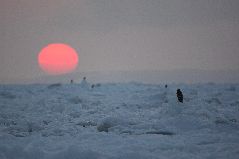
[112, 35]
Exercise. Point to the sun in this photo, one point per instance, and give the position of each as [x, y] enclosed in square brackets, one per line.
[58, 58]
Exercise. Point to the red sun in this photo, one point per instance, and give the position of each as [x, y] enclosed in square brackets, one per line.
[57, 59]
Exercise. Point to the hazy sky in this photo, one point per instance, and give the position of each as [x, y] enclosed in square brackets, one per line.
[120, 34]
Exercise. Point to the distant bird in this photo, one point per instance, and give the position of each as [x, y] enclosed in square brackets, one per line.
[92, 86]
[84, 84]
[179, 95]
[72, 81]
[166, 86]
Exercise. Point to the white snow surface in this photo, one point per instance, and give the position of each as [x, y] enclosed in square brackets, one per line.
[119, 121]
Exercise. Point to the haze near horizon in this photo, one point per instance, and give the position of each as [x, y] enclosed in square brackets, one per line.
[113, 36]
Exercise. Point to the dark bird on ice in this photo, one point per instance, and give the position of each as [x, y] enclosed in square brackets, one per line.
[179, 95]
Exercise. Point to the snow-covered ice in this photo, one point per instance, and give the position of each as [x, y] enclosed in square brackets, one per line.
[119, 121]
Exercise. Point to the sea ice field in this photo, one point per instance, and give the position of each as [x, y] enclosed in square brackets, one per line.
[119, 121]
